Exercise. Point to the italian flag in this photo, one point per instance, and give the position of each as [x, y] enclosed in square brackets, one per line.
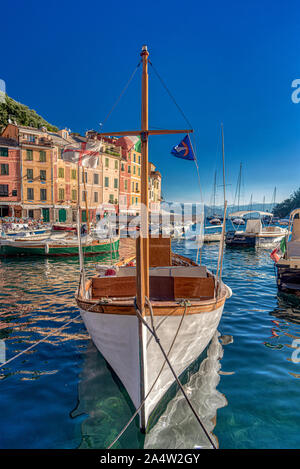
[279, 251]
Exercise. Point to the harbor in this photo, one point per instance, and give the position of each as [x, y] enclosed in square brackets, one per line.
[62, 394]
[149, 232]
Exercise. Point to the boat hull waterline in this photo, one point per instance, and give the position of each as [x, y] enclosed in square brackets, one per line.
[57, 249]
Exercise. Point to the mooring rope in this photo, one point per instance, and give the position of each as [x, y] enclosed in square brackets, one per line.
[39, 341]
[54, 332]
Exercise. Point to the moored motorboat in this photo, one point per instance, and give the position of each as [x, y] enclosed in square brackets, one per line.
[255, 233]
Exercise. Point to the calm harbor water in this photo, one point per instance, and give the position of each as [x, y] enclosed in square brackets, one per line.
[62, 393]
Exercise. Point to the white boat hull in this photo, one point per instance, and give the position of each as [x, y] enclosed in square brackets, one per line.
[117, 339]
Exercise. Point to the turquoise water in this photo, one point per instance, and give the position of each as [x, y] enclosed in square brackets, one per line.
[62, 393]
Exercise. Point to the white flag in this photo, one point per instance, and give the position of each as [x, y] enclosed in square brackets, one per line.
[84, 154]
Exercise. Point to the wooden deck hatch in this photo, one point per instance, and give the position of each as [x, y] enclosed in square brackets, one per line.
[161, 287]
[160, 252]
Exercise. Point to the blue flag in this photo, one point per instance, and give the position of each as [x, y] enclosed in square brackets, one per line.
[184, 149]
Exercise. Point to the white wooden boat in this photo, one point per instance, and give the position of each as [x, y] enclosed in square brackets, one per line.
[159, 293]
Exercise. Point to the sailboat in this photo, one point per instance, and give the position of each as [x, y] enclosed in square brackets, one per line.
[235, 217]
[152, 316]
[214, 219]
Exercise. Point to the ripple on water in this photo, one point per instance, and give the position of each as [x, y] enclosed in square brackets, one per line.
[63, 395]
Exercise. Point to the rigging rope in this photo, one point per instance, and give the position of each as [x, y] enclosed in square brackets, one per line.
[121, 94]
[199, 250]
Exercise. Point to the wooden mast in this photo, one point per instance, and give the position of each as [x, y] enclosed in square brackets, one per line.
[142, 245]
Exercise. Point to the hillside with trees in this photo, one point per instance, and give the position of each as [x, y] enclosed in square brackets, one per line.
[283, 209]
[12, 111]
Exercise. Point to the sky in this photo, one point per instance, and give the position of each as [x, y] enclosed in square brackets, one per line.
[227, 62]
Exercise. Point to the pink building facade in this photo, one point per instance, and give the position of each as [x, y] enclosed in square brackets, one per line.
[10, 178]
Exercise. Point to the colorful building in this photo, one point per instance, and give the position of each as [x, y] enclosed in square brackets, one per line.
[124, 174]
[154, 188]
[36, 169]
[36, 182]
[111, 156]
[10, 178]
[135, 177]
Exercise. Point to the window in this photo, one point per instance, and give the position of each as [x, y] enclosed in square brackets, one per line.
[4, 169]
[106, 163]
[43, 194]
[31, 138]
[134, 157]
[139, 159]
[84, 177]
[30, 193]
[129, 169]
[139, 171]
[43, 175]
[61, 194]
[14, 193]
[132, 200]
[29, 155]
[42, 156]
[30, 213]
[116, 183]
[95, 196]
[111, 198]
[134, 170]
[74, 194]
[73, 174]
[29, 174]
[84, 195]
[137, 187]
[96, 180]
[3, 190]
[122, 167]
[61, 172]
[132, 185]
[126, 184]
[106, 182]
[136, 200]
[3, 151]
[116, 164]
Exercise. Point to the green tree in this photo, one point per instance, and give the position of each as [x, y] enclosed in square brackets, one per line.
[22, 115]
[283, 209]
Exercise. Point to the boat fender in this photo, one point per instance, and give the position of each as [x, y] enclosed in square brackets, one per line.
[229, 292]
[47, 248]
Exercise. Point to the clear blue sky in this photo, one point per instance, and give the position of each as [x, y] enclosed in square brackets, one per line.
[224, 61]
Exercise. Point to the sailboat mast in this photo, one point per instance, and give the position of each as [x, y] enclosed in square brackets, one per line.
[142, 245]
[215, 188]
[239, 186]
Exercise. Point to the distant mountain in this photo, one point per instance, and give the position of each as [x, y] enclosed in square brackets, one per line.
[13, 111]
[218, 210]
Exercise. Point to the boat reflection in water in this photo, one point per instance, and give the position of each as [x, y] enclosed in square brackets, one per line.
[177, 428]
[104, 406]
